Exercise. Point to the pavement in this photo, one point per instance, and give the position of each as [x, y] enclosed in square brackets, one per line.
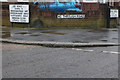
[58, 44]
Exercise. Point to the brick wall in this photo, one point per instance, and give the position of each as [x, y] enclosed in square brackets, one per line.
[95, 15]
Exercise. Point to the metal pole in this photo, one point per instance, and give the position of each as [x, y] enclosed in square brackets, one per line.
[12, 24]
[108, 16]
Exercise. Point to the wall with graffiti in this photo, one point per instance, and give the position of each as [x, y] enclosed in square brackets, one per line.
[70, 14]
[61, 14]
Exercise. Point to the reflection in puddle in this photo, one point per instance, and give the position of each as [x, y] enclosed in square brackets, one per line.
[34, 34]
[5, 32]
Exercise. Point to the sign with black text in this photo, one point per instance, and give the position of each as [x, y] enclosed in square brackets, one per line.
[71, 16]
[114, 13]
[23, 0]
[3, 0]
[19, 13]
[90, 1]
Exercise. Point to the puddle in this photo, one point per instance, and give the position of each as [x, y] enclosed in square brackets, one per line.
[104, 40]
[5, 32]
[34, 34]
[6, 35]
[53, 32]
[114, 38]
[80, 41]
[23, 32]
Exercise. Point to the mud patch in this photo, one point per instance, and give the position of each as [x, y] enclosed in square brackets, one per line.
[53, 32]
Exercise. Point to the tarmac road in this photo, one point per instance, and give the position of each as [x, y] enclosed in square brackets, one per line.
[20, 61]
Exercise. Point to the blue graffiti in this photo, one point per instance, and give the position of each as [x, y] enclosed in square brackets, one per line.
[60, 7]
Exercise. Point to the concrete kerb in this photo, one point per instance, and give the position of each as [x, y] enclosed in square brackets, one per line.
[57, 44]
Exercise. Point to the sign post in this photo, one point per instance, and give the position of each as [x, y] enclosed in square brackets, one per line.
[12, 24]
[114, 14]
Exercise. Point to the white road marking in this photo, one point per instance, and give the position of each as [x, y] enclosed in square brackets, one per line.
[105, 51]
[88, 50]
[78, 49]
[112, 52]
[82, 50]
[73, 48]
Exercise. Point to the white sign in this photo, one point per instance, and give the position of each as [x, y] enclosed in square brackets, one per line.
[19, 13]
[114, 13]
[3, 0]
[71, 16]
[103, 1]
[23, 0]
[90, 1]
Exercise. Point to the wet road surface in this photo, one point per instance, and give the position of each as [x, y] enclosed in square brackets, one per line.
[20, 61]
[65, 35]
